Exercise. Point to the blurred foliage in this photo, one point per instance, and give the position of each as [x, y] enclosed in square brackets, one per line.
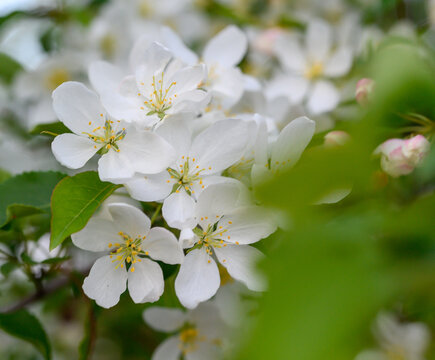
[25, 326]
[339, 264]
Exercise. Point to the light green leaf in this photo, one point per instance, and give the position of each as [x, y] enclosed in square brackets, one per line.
[74, 201]
[27, 327]
[26, 194]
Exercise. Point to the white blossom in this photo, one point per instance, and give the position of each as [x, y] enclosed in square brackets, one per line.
[132, 247]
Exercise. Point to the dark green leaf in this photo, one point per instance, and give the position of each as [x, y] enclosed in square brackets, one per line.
[45, 129]
[9, 68]
[8, 267]
[74, 201]
[26, 194]
[27, 327]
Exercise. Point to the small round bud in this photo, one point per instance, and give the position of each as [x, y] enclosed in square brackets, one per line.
[400, 157]
[336, 138]
[364, 88]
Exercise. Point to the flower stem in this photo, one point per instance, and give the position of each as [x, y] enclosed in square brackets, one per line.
[156, 213]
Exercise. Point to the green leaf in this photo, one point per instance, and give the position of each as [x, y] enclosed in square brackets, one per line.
[74, 201]
[4, 175]
[46, 129]
[8, 267]
[9, 68]
[27, 327]
[26, 194]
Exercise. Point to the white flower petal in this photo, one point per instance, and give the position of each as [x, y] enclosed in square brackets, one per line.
[240, 261]
[96, 235]
[129, 219]
[147, 152]
[227, 48]
[291, 142]
[156, 57]
[221, 145]
[185, 79]
[318, 40]
[294, 88]
[164, 319]
[168, 349]
[198, 279]
[178, 210]
[175, 131]
[153, 187]
[145, 283]
[73, 151]
[78, 107]
[115, 167]
[174, 43]
[192, 101]
[204, 351]
[228, 87]
[105, 283]
[323, 97]
[215, 201]
[247, 225]
[163, 245]
[104, 77]
[290, 54]
[339, 63]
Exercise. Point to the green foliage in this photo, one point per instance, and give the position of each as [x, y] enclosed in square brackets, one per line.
[8, 68]
[74, 201]
[26, 194]
[27, 327]
[339, 264]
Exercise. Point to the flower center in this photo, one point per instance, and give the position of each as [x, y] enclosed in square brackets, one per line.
[159, 101]
[214, 236]
[56, 77]
[127, 251]
[106, 136]
[314, 71]
[189, 338]
[396, 353]
[186, 176]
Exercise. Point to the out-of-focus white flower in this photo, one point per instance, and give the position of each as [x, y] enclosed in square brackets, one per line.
[125, 149]
[364, 88]
[398, 341]
[222, 53]
[400, 157]
[199, 333]
[132, 245]
[159, 87]
[224, 226]
[264, 41]
[285, 151]
[198, 164]
[33, 88]
[310, 68]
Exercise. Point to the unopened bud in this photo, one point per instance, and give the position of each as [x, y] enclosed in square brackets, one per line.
[400, 157]
[336, 138]
[364, 88]
[265, 41]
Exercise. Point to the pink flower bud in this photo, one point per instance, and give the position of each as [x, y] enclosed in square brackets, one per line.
[265, 41]
[364, 88]
[400, 157]
[336, 138]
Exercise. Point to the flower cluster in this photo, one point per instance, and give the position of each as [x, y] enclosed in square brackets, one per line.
[152, 132]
